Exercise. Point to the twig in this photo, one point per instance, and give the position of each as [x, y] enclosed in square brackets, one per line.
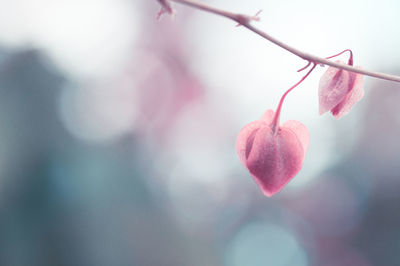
[245, 21]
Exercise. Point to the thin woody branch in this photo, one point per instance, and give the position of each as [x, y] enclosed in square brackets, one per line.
[245, 21]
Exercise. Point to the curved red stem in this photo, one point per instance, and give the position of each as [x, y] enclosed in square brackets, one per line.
[347, 50]
[301, 69]
[275, 121]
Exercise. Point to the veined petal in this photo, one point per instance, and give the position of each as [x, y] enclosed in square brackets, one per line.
[275, 159]
[300, 131]
[354, 95]
[244, 140]
[333, 87]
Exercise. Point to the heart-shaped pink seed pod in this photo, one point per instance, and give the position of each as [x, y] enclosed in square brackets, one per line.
[273, 154]
[339, 90]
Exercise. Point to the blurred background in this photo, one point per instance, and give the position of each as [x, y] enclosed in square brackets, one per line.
[118, 133]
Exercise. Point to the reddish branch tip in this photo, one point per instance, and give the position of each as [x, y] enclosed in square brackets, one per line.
[165, 8]
[244, 19]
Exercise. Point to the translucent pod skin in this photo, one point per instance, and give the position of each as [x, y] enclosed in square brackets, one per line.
[339, 90]
[272, 154]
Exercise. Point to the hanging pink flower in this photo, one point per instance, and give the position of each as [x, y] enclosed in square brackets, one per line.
[339, 90]
[273, 154]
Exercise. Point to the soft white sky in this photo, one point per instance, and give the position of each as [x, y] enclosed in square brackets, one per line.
[87, 38]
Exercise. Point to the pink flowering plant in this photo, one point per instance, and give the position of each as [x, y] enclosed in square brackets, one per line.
[272, 152]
